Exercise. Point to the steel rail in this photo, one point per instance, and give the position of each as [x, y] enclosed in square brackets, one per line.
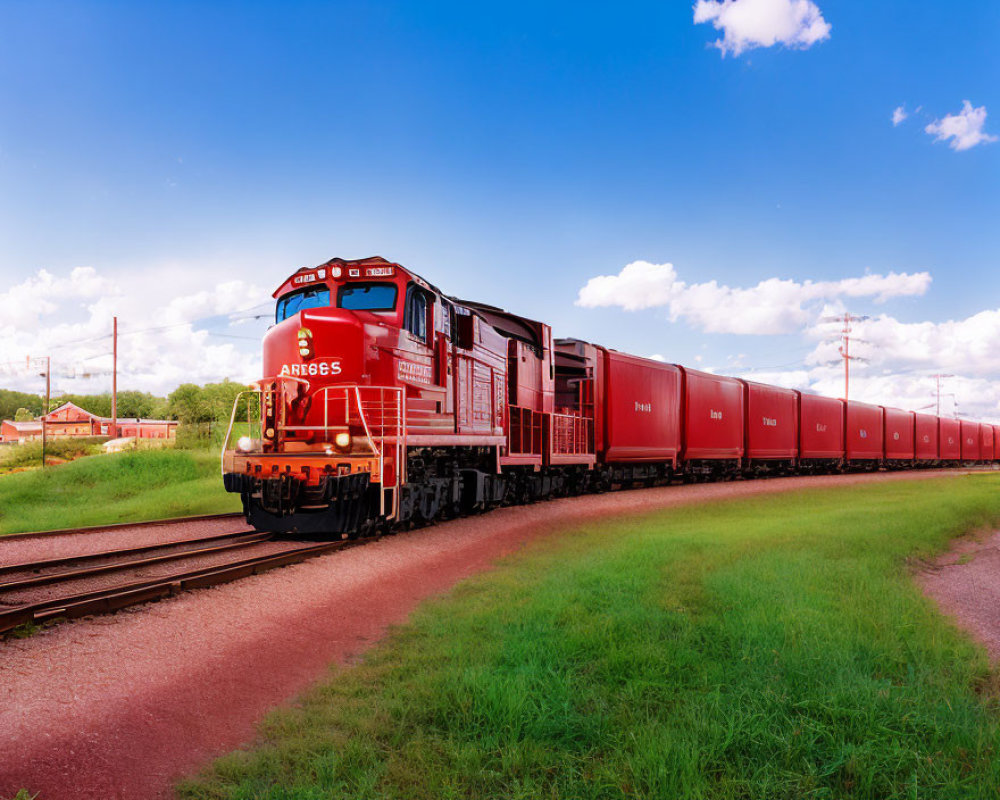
[117, 597]
[111, 526]
[212, 544]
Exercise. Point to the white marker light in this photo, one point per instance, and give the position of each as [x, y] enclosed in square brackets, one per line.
[244, 444]
[335, 272]
[342, 440]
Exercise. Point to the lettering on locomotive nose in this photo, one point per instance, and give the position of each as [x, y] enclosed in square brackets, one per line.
[714, 414]
[863, 433]
[770, 422]
[645, 407]
[820, 427]
[312, 369]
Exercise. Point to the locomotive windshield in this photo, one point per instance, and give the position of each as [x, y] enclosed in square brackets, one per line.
[367, 296]
[298, 301]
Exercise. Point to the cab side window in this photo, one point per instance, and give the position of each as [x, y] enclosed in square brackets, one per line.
[415, 318]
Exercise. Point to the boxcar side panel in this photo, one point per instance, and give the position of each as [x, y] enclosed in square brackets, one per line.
[950, 439]
[713, 416]
[642, 409]
[986, 442]
[821, 427]
[925, 437]
[772, 425]
[970, 440]
[863, 436]
[899, 434]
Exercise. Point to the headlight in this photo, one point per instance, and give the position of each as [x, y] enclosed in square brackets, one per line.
[245, 444]
[342, 440]
[305, 341]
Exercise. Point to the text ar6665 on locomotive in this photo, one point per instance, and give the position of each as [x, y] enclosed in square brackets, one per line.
[385, 401]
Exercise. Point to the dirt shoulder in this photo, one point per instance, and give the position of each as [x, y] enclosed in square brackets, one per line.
[965, 583]
[122, 706]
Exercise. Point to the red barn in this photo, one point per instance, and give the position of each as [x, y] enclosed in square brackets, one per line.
[20, 431]
[71, 420]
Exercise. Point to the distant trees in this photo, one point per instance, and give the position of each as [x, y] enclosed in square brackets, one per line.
[200, 408]
[130, 404]
[11, 401]
[212, 402]
[203, 411]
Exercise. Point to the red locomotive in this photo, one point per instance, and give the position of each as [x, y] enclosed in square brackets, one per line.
[387, 402]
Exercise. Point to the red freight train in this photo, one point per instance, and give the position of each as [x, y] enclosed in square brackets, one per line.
[385, 401]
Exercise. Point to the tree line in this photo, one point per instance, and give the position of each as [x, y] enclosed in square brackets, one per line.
[188, 403]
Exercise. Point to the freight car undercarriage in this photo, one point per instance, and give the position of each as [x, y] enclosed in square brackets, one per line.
[448, 483]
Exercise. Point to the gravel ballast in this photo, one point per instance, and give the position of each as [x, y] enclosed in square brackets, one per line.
[122, 706]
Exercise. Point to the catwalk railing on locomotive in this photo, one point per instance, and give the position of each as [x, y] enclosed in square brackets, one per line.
[535, 433]
[362, 433]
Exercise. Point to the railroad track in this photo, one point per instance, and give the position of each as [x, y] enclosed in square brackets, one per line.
[38, 591]
[118, 526]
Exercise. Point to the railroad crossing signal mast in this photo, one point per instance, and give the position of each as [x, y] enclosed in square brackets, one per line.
[845, 345]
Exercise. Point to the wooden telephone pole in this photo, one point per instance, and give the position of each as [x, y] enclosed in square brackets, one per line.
[48, 386]
[114, 380]
[845, 346]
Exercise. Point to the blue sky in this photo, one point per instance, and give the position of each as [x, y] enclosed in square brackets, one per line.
[509, 154]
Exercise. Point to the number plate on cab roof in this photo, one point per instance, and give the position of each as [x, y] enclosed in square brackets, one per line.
[379, 272]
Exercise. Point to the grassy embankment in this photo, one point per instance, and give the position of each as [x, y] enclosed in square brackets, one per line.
[764, 648]
[122, 487]
[29, 456]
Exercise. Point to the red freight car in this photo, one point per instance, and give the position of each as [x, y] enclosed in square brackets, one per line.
[996, 443]
[898, 437]
[925, 438]
[950, 439]
[821, 431]
[970, 440]
[986, 442]
[772, 427]
[863, 434]
[641, 402]
[713, 422]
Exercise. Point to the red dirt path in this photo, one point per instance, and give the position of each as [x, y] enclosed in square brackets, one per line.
[966, 585]
[122, 706]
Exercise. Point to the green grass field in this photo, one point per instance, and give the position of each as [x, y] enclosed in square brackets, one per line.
[124, 487]
[763, 648]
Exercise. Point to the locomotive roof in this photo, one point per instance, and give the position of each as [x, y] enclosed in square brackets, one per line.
[370, 261]
[510, 325]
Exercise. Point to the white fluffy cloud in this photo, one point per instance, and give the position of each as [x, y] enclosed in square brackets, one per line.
[965, 345]
[898, 115]
[746, 24]
[964, 129]
[162, 318]
[898, 362]
[772, 306]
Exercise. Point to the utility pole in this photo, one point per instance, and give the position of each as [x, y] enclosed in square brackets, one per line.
[845, 347]
[45, 410]
[938, 379]
[114, 380]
